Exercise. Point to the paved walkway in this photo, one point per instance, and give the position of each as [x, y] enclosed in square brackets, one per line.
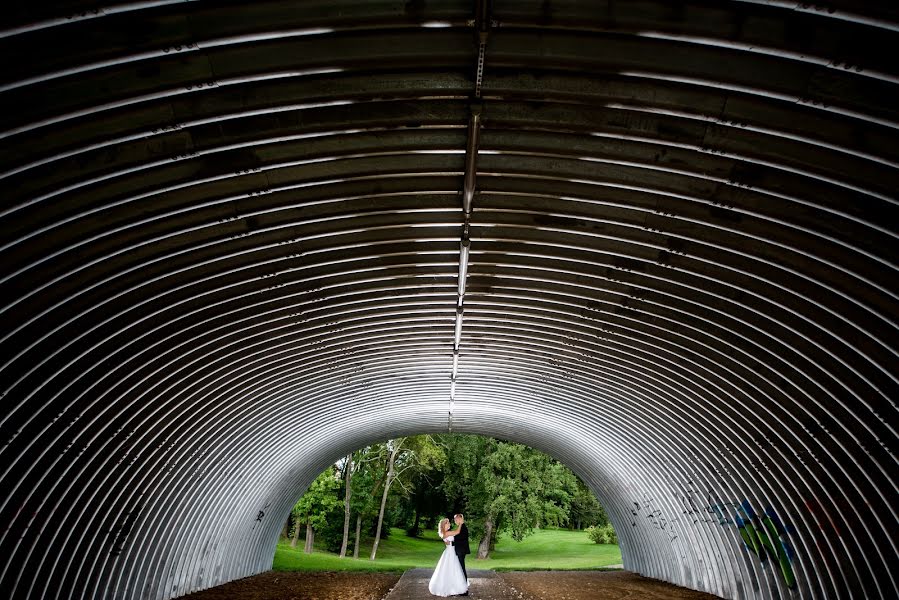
[413, 585]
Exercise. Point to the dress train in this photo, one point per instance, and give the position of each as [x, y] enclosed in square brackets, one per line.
[448, 579]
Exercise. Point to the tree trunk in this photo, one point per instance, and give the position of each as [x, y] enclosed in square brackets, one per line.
[390, 474]
[484, 544]
[495, 525]
[416, 526]
[358, 529]
[348, 467]
[296, 532]
[286, 531]
[310, 537]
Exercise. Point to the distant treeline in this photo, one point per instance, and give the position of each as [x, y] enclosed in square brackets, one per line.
[413, 482]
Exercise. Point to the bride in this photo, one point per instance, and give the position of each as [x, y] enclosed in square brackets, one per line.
[448, 579]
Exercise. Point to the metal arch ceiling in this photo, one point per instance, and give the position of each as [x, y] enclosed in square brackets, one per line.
[232, 238]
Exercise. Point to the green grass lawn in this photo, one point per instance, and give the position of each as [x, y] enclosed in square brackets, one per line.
[548, 549]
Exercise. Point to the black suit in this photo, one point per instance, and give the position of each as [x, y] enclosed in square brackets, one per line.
[460, 546]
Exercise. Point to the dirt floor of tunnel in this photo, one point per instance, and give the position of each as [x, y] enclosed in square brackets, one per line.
[538, 585]
[596, 585]
[281, 585]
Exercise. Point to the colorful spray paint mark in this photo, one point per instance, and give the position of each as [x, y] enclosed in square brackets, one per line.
[763, 534]
[721, 510]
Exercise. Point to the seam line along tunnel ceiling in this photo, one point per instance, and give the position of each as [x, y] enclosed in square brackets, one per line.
[654, 239]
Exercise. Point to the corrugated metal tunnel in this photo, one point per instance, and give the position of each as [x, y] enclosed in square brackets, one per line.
[654, 239]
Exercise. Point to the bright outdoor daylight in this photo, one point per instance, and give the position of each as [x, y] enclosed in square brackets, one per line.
[384, 502]
[426, 299]
[380, 508]
[443, 516]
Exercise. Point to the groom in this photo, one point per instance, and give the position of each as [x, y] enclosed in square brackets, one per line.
[460, 543]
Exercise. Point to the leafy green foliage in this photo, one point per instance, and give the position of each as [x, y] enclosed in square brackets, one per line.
[546, 549]
[320, 499]
[604, 534]
[426, 506]
[406, 456]
[367, 480]
[512, 487]
[322, 506]
[509, 489]
[585, 508]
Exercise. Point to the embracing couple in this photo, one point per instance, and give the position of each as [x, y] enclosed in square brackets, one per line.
[450, 577]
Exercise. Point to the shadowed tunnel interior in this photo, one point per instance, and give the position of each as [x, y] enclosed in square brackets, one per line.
[654, 239]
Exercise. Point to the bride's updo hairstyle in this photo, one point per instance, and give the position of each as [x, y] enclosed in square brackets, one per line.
[440, 528]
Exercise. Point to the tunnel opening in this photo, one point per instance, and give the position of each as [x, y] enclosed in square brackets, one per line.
[407, 486]
[655, 240]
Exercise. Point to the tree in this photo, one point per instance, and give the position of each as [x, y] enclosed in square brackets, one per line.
[405, 456]
[368, 476]
[393, 449]
[586, 509]
[502, 486]
[296, 527]
[348, 477]
[427, 502]
[314, 508]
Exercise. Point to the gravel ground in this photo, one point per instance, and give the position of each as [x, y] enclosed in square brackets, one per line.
[279, 585]
[595, 585]
[532, 585]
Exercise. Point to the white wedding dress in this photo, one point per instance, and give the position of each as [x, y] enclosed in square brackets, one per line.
[448, 579]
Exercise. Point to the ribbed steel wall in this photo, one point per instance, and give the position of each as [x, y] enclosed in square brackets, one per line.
[232, 238]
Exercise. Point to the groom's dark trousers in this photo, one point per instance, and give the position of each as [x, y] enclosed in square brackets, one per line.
[460, 546]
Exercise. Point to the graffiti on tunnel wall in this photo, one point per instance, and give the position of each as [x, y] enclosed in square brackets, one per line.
[763, 534]
[653, 514]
